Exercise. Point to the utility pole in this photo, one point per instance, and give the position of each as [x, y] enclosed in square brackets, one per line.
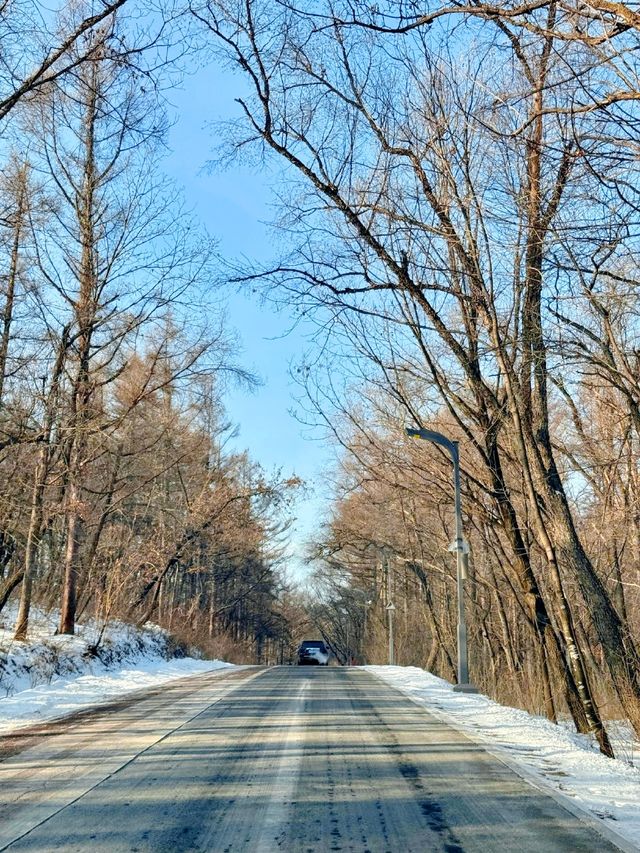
[365, 607]
[390, 608]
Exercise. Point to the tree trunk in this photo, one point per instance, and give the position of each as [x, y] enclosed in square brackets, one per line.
[75, 526]
[39, 484]
[8, 585]
[33, 540]
[86, 310]
[7, 314]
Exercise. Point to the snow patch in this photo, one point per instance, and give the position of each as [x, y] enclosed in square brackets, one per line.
[52, 675]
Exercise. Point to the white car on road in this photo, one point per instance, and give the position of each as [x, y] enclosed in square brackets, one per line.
[313, 652]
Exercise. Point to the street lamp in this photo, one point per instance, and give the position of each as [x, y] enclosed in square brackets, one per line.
[462, 551]
[391, 609]
[365, 607]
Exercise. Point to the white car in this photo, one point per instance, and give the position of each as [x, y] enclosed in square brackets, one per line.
[313, 652]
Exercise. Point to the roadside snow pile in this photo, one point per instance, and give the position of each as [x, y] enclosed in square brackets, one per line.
[554, 757]
[46, 655]
[52, 675]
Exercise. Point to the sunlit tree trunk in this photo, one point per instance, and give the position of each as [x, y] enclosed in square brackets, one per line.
[85, 311]
[38, 494]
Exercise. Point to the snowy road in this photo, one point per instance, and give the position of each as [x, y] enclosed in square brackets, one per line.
[285, 759]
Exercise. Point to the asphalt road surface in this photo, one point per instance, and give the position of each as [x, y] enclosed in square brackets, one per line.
[296, 760]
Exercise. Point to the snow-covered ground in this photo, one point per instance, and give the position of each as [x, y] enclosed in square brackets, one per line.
[553, 757]
[51, 676]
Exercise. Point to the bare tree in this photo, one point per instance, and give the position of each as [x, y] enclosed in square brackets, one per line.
[446, 197]
[116, 256]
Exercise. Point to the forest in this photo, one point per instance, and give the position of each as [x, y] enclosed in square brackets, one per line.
[461, 210]
[118, 499]
[457, 210]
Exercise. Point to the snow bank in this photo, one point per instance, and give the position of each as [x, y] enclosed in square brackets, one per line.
[554, 757]
[51, 676]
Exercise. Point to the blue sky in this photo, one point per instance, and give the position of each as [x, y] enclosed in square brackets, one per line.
[234, 205]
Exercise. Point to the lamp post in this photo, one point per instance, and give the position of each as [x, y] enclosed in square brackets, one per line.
[391, 608]
[365, 607]
[462, 551]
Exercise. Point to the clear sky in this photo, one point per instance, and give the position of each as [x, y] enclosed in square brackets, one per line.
[234, 205]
